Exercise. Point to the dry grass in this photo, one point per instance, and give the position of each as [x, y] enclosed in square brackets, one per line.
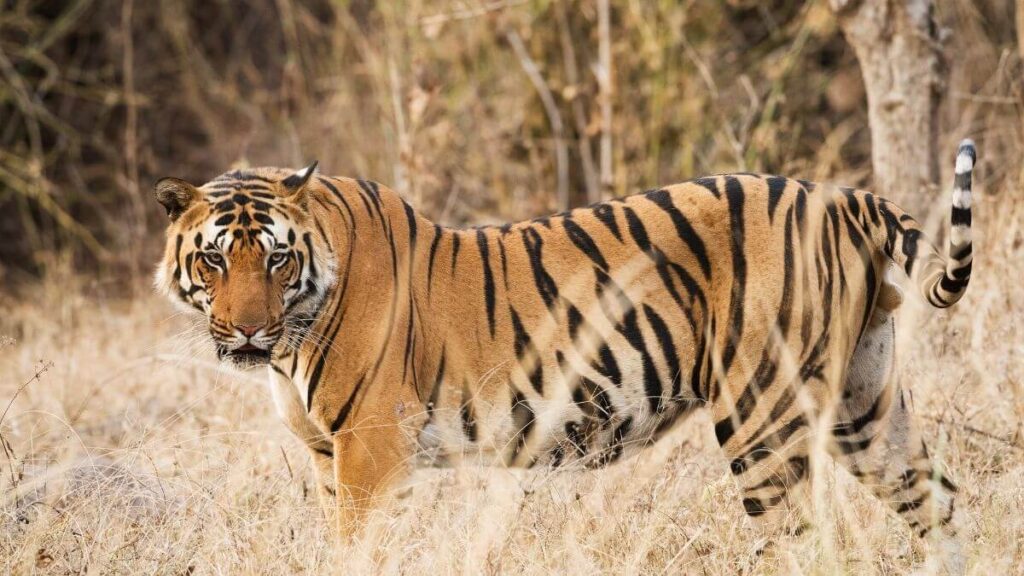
[128, 451]
[125, 449]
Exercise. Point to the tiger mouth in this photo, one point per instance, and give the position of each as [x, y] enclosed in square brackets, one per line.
[246, 356]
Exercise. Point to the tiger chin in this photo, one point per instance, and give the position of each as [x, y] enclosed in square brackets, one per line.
[575, 340]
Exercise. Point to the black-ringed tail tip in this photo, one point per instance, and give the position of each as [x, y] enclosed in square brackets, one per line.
[960, 253]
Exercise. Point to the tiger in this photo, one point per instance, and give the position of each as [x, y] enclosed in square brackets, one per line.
[575, 340]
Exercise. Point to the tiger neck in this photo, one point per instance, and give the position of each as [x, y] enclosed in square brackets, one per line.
[372, 330]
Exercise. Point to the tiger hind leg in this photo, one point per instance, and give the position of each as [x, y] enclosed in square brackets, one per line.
[876, 439]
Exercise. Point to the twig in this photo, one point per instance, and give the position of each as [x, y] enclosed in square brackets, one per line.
[1013, 442]
[590, 175]
[470, 13]
[551, 109]
[604, 82]
[43, 367]
[8, 449]
[131, 147]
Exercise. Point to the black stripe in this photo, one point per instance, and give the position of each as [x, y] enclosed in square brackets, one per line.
[346, 409]
[366, 204]
[608, 366]
[410, 217]
[410, 345]
[911, 505]
[851, 202]
[243, 176]
[960, 217]
[869, 202]
[177, 259]
[456, 243]
[776, 185]
[857, 424]
[699, 362]
[963, 272]
[953, 285]
[668, 347]
[910, 239]
[735, 197]
[710, 183]
[867, 262]
[754, 507]
[962, 252]
[663, 265]
[334, 325]
[684, 229]
[485, 261]
[630, 329]
[764, 449]
[575, 320]
[963, 181]
[373, 190]
[852, 446]
[323, 234]
[523, 345]
[504, 261]
[435, 392]
[433, 252]
[795, 469]
[594, 401]
[337, 194]
[585, 243]
[545, 284]
[606, 214]
[309, 248]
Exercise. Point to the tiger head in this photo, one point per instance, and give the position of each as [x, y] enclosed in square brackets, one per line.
[242, 250]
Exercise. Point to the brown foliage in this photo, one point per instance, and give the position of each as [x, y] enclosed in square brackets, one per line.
[100, 97]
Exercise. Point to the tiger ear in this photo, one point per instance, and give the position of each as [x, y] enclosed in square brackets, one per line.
[296, 183]
[176, 195]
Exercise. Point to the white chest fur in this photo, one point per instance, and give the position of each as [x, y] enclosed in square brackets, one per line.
[288, 394]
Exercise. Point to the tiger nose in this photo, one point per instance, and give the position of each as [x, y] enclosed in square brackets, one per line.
[248, 329]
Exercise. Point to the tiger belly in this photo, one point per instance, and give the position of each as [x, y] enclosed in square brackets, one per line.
[577, 422]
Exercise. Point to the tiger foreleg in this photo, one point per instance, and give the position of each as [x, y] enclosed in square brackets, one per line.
[323, 472]
[772, 471]
[368, 463]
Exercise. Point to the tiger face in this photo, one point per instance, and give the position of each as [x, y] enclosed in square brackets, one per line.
[240, 250]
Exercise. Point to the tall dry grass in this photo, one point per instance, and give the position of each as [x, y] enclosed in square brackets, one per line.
[127, 449]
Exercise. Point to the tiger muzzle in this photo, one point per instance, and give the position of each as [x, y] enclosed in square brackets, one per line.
[248, 344]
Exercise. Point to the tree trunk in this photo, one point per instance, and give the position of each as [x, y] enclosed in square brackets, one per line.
[897, 45]
[1020, 28]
